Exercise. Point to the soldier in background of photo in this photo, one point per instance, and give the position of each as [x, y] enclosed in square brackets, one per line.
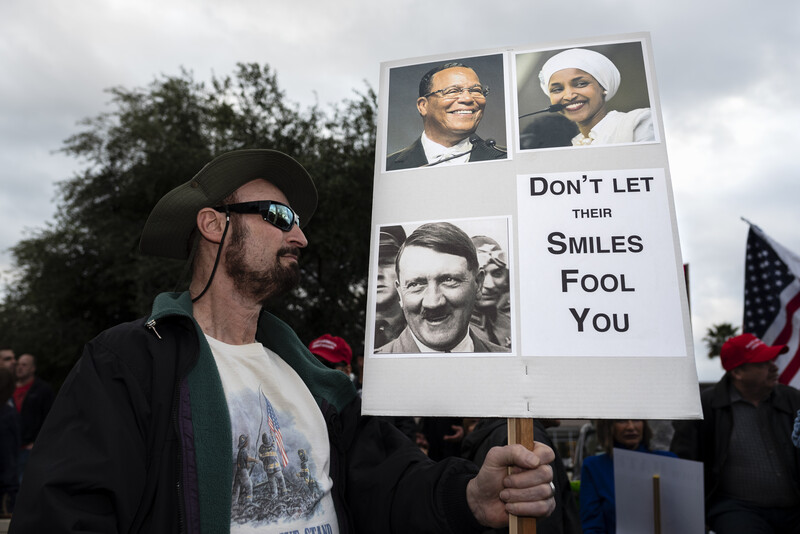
[491, 316]
[389, 318]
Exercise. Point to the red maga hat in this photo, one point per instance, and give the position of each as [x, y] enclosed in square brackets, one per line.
[331, 348]
[747, 348]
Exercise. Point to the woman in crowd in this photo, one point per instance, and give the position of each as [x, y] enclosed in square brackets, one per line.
[583, 81]
[597, 502]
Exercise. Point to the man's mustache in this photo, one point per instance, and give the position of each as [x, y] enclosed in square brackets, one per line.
[289, 251]
[434, 313]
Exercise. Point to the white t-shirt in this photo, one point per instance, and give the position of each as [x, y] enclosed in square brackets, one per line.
[280, 450]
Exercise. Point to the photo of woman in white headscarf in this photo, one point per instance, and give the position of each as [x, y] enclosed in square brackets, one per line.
[579, 85]
[583, 81]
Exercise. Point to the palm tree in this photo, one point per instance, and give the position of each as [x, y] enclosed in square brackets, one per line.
[718, 334]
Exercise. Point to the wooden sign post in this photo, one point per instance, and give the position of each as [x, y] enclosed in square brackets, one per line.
[657, 504]
[521, 431]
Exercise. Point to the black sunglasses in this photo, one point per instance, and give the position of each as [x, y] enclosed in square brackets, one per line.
[279, 215]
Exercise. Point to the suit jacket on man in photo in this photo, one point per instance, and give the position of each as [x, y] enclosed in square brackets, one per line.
[404, 344]
[413, 155]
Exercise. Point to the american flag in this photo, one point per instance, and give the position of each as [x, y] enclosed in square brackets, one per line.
[275, 428]
[772, 300]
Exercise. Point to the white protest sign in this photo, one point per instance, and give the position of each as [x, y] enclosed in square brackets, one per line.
[491, 291]
[682, 502]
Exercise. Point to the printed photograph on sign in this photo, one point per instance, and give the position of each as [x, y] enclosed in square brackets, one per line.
[448, 112]
[443, 286]
[583, 96]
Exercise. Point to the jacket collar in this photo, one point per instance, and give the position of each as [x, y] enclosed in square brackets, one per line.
[722, 396]
[333, 387]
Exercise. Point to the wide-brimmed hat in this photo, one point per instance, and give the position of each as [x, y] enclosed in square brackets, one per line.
[169, 226]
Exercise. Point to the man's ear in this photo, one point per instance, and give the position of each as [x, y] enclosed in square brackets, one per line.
[399, 294]
[211, 224]
[422, 106]
[736, 373]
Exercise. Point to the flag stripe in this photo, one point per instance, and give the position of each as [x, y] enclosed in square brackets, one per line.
[789, 373]
[791, 308]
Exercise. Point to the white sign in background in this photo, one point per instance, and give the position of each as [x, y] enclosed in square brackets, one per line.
[598, 279]
[681, 491]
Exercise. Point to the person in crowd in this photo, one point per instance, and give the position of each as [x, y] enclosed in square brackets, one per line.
[33, 398]
[439, 282]
[491, 316]
[751, 468]
[597, 497]
[389, 318]
[492, 432]
[144, 435]
[583, 81]
[9, 442]
[333, 352]
[8, 359]
[796, 431]
[442, 436]
[451, 103]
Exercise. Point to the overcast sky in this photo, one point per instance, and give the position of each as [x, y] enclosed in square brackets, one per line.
[727, 74]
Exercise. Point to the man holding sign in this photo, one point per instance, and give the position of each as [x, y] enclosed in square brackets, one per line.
[142, 435]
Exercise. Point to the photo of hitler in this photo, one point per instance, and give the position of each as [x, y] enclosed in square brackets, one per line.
[584, 96]
[452, 99]
[451, 289]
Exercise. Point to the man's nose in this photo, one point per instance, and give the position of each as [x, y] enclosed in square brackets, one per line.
[465, 96]
[432, 297]
[296, 237]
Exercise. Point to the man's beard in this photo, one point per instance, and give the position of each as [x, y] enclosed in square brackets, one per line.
[259, 285]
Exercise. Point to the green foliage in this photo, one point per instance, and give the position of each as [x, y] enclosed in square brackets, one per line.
[717, 335]
[83, 273]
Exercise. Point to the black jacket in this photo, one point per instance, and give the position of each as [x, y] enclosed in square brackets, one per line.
[134, 438]
[413, 155]
[35, 407]
[707, 440]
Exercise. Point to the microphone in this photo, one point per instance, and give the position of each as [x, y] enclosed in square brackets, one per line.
[552, 109]
[490, 143]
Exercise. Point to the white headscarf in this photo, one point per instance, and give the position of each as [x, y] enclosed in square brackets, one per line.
[594, 63]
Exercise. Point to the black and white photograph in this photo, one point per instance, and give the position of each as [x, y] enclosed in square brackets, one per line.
[443, 286]
[446, 113]
[584, 96]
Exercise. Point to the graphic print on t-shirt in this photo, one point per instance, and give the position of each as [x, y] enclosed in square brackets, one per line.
[269, 485]
[279, 445]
